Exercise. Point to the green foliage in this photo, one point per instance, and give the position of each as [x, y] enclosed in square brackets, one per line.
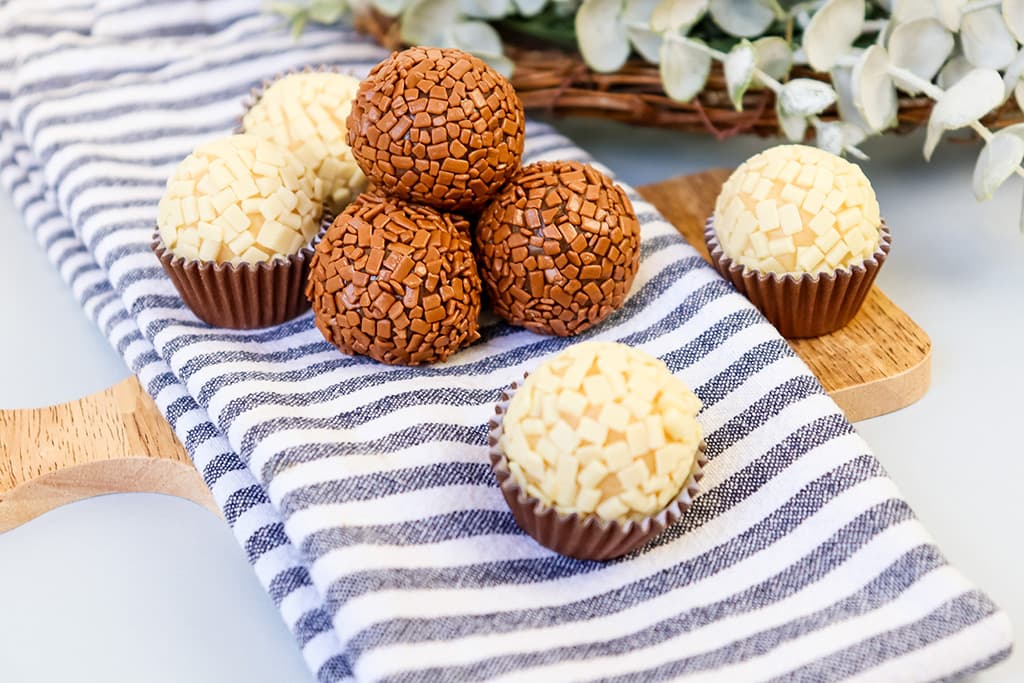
[964, 54]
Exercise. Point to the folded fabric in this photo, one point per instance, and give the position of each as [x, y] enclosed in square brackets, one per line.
[363, 492]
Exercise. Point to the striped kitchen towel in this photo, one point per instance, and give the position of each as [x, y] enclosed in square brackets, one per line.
[362, 493]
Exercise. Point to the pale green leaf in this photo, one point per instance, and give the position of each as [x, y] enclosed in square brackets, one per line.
[793, 126]
[476, 37]
[1013, 15]
[486, 9]
[684, 68]
[742, 18]
[955, 69]
[601, 35]
[646, 42]
[911, 10]
[677, 15]
[1018, 95]
[973, 96]
[326, 11]
[842, 81]
[839, 137]
[951, 13]
[774, 57]
[985, 40]
[425, 21]
[873, 93]
[999, 159]
[638, 13]
[805, 97]
[1012, 74]
[529, 8]
[739, 70]
[392, 8]
[921, 47]
[831, 32]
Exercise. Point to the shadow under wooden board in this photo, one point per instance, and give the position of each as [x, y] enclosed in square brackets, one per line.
[118, 441]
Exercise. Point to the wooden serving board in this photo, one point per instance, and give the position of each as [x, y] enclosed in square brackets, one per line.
[118, 441]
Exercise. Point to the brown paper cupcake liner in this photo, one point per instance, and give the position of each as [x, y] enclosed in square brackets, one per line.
[802, 304]
[584, 537]
[242, 296]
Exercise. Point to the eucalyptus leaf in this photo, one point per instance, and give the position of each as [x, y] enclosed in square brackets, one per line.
[1012, 74]
[920, 46]
[638, 13]
[486, 9]
[476, 37]
[677, 15]
[832, 31]
[739, 71]
[1018, 95]
[873, 93]
[529, 8]
[805, 97]
[1013, 15]
[985, 40]
[646, 42]
[904, 11]
[955, 69]
[972, 97]
[602, 35]
[999, 159]
[951, 13]
[774, 57]
[842, 81]
[392, 8]
[793, 126]
[326, 11]
[742, 18]
[829, 137]
[425, 21]
[684, 68]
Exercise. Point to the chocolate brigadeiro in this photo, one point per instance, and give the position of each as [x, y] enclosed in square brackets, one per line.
[437, 126]
[558, 248]
[395, 281]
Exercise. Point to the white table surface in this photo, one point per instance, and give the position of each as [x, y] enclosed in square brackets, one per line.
[146, 587]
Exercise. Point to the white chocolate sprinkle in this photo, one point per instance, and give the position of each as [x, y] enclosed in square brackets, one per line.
[212, 209]
[798, 209]
[305, 113]
[602, 428]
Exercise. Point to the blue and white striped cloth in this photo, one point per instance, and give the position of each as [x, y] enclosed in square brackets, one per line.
[362, 493]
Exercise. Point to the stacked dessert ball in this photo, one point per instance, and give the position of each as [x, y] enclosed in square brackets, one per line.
[438, 133]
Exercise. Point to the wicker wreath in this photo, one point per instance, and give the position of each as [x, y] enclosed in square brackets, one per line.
[557, 82]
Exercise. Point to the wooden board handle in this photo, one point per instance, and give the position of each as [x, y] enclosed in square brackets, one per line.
[115, 440]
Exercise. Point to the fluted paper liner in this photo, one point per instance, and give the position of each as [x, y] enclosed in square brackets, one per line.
[584, 537]
[243, 296]
[802, 304]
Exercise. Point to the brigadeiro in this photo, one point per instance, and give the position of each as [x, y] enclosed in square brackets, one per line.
[437, 126]
[558, 248]
[395, 281]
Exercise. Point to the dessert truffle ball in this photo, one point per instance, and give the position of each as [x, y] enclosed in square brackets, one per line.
[437, 126]
[306, 113]
[395, 281]
[797, 209]
[602, 429]
[240, 199]
[558, 248]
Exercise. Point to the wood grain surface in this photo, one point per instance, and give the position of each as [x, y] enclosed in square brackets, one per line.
[112, 441]
[878, 363]
[117, 440]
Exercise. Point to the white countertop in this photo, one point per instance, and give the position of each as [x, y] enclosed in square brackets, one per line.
[145, 587]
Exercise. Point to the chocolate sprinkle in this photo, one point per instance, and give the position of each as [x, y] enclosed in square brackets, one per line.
[437, 126]
[396, 281]
[558, 248]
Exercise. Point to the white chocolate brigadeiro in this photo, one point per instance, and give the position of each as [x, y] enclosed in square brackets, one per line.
[602, 429]
[306, 113]
[240, 199]
[797, 209]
